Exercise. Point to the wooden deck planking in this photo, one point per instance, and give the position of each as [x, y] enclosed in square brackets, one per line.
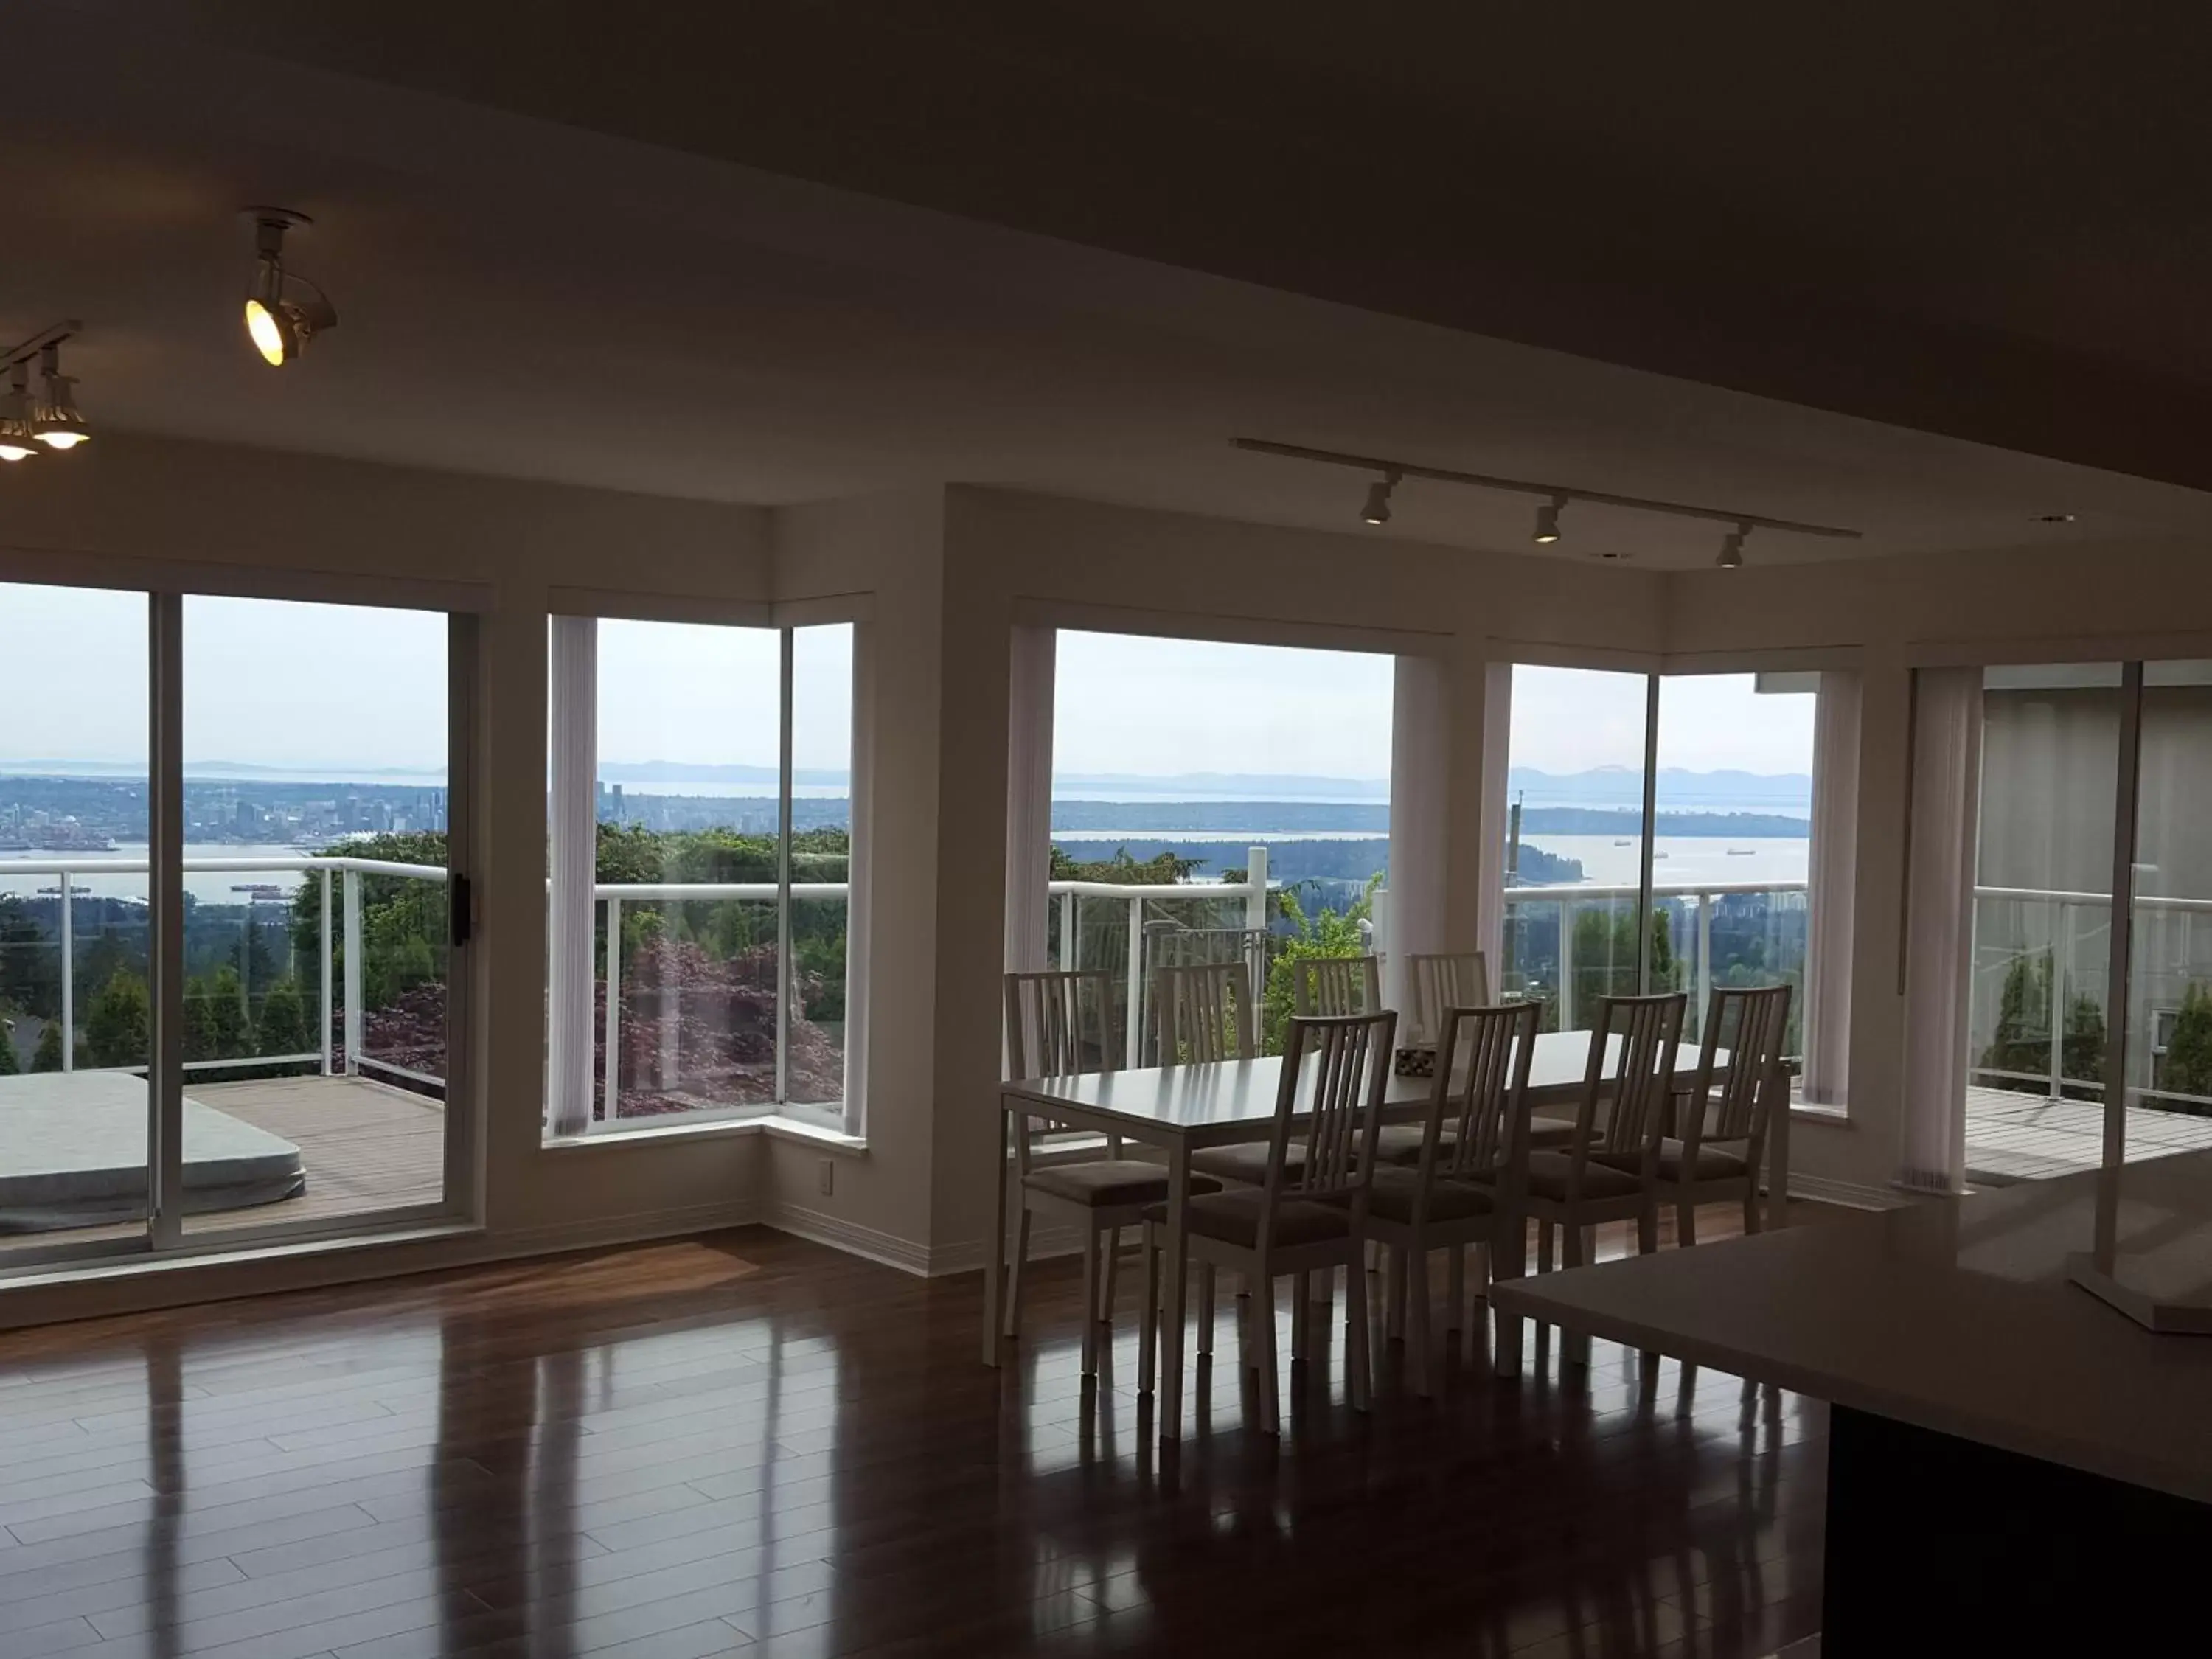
[2019, 1137]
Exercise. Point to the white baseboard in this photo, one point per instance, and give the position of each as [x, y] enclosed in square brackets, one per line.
[1849, 1194]
[852, 1238]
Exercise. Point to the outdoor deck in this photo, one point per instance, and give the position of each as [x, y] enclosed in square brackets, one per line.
[2016, 1137]
[365, 1147]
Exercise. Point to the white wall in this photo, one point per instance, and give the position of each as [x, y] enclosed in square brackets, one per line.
[941, 575]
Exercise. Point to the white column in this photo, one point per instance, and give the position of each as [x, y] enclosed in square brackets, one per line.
[1943, 841]
[1497, 800]
[1033, 656]
[1831, 889]
[1420, 759]
[574, 696]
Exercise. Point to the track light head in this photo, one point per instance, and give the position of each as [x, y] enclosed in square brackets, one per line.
[57, 423]
[283, 309]
[1547, 520]
[1731, 557]
[1377, 510]
[17, 439]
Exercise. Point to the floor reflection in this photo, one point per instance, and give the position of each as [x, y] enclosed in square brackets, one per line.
[754, 1444]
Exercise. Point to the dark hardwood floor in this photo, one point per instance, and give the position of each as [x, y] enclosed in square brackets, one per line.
[748, 1444]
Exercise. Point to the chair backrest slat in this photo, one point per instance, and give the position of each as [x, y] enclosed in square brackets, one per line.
[1483, 1057]
[1751, 1027]
[1335, 985]
[1203, 1011]
[1439, 984]
[1632, 1053]
[1336, 1073]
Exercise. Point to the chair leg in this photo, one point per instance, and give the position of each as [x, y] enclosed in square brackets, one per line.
[1754, 1212]
[1394, 1307]
[1544, 1247]
[1020, 1273]
[1263, 1355]
[1686, 1221]
[1572, 1235]
[1358, 1370]
[1418, 1348]
[1148, 1329]
[1455, 1291]
[1508, 1258]
[1205, 1311]
[1090, 1302]
[1647, 1227]
[1301, 1318]
[1112, 1261]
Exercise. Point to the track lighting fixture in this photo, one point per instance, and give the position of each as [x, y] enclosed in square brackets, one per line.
[1377, 510]
[283, 309]
[1547, 520]
[16, 442]
[57, 423]
[1556, 497]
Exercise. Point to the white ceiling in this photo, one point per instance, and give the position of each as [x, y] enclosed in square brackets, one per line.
[532, 300]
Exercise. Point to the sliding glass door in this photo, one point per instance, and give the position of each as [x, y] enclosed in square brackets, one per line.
[226, 924]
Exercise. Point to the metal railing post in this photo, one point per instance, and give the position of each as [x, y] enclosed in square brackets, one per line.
[1132, 1039]
[1255, 890]
[1566, 964]
[1705, 959]
[323, 1007]
[353, 973]
[1068, 959]
[69, 973]
[610, 1096]
[2061, 933]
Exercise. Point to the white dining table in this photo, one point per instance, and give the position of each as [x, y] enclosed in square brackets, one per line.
[1183, 1109]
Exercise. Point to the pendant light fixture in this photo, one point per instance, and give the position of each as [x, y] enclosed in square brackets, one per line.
[16, 442]
[283, 309]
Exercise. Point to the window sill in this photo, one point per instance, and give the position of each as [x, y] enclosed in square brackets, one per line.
[1834, 1117]
[724, 1128]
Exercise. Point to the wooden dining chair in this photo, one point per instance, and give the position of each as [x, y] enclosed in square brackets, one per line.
[1308, 1215]
[1202, 1011]
[1609, 1170]
[1722, 1128]
[1437, 984]
[1335, 985]
[1061, 1024]
[1464, 1184]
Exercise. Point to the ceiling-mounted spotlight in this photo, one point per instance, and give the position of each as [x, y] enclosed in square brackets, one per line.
[58, 424]
[1377, 510]
[1547, 520]
[1731, 557]
[15, 434]
[283, 309]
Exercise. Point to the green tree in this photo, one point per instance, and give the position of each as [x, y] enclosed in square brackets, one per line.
[284, 1027]
[1327, 933]
[229, 1030]
[2081, 1047]
[119, 1031]
[2187, 1067]
[47, 1056]
[10, 1063]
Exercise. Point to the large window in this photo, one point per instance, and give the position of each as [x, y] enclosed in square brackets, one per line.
[1574, 840]
[1214, 802]
[269, 884]
[699, 811]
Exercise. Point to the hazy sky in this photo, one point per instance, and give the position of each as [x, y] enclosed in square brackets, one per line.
[325, 688]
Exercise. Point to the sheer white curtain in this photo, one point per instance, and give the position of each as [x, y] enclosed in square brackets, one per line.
[1420, 759]
[1029, 797]
[573, 694]
[1831, 889]
[1939, 927]
[1497, 757]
